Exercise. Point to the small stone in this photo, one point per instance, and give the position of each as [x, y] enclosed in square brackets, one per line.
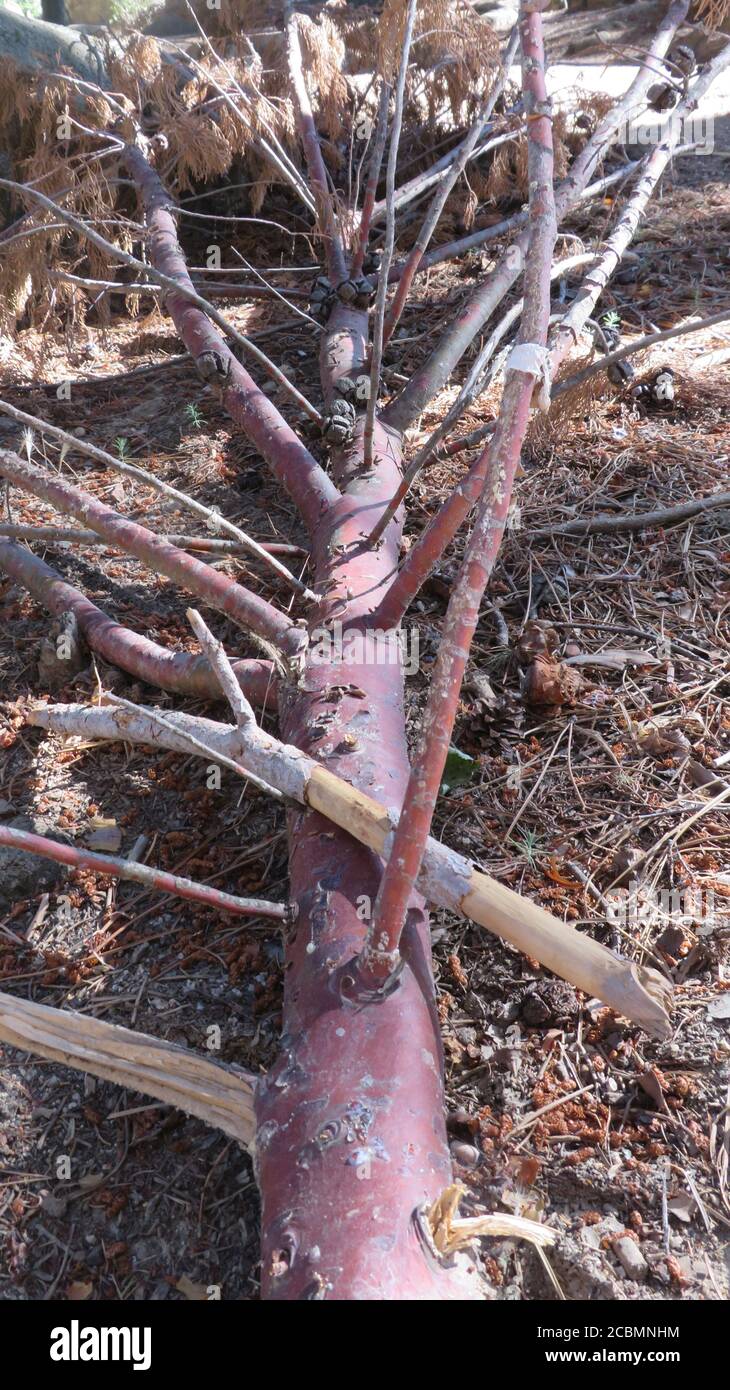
[591, 1236]
[629, 1255]
[107, 839]
[24, 875]
[458, 1119]
[466, 1155]
[548, 1002]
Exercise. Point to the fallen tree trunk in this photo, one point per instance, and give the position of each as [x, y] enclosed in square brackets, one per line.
[34, 46]
[351, 1146]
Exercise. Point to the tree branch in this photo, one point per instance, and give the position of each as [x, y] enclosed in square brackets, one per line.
[179, 672]
[291, 463]
[371, 185]
[435, 372]
[217, 1092]
[184, 288]
[157, 880]
[211, 545]
[214, 519]
[694, 325]
[436, 207]
[328, 226]
[446, 878]
[609, 524]
[244, 607]
[442, 529]
[222, 670]
[471, 390]
[379, 960]
[378, 339]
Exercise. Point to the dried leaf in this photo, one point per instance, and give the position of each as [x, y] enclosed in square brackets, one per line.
[614, 659]
[197, 1293]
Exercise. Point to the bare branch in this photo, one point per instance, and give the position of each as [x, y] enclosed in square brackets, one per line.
[446, 878]
[379, 960]
[217, 1092]
[329, 229]
[183, 500]
[223, 671]
[51, 535]
[169, 284]
[246, 608]
[693, 325]
[376, 352]
[376, 160]
[611, 524]
[435, 372]
[442, 529]
[157, 880]
[471, 390]
[448, 182]
[291, 463]
[179, 672]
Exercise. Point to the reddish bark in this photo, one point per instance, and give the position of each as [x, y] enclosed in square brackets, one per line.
[180, 672]
[380, 956]
[328, 225]
[290, 461]
[351, 1135]
[157, 879]
[351, 1138]
[247, 609]
[371, 185]
[373, 1072]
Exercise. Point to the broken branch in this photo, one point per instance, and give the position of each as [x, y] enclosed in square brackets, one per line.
[245, 607]
[216, 1092]
[445, 878]
[180, 672]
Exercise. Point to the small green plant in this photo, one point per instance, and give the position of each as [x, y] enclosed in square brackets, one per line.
[459, 769]
[194, 415]
[611, 319]
[526, 844]
[122, 446]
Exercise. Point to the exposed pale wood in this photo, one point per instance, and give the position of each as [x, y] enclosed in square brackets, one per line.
[639, 993]
[219, 1094]
[447, 878]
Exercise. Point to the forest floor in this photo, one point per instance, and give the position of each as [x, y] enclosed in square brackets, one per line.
[556, 1107]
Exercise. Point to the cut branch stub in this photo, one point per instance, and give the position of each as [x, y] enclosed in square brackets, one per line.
[446, 878]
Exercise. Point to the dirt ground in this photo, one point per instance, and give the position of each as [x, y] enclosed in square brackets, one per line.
[557, 1108]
